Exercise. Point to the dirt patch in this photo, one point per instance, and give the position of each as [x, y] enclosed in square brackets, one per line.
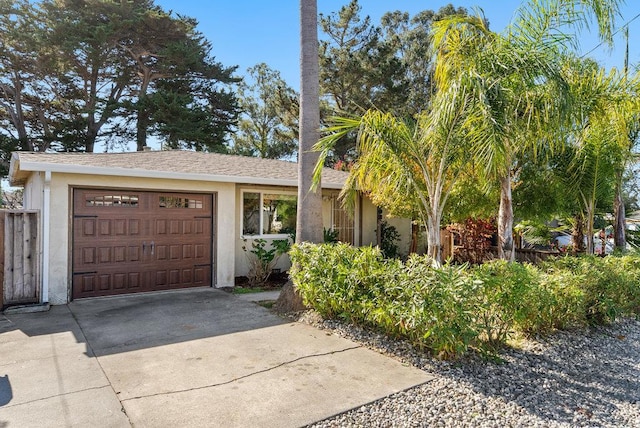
[275, 282]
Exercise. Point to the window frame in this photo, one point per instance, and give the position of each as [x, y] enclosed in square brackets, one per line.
[263, 192]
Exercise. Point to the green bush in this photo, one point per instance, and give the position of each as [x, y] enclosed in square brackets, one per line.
[449, 309]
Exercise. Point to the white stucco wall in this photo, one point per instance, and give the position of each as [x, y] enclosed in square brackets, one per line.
[403, 226]
[59, 281]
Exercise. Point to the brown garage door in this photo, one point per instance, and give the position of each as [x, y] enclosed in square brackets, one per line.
[127, 242]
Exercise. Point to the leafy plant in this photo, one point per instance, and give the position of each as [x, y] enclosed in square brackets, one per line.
[389, 236]
[330, 236]
[263, 258]
[474, 239]
[453, 308]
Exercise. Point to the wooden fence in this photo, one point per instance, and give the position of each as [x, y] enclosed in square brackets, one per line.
[20, 267]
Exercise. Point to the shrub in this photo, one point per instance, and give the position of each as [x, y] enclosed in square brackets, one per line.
[449, 309]
[263, 259]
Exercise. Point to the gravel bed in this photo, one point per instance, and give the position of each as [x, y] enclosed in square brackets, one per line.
[586, 378]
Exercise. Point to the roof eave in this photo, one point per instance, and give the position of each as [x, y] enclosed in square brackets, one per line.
[21, 166]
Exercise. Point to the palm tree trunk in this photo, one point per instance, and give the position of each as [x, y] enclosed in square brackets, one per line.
[619, 224]
[577, 234]
[433, 239]
[309, 215]
[590, 220]
[505, 221]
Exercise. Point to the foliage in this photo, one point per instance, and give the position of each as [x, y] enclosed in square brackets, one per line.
[475, 236]
[451, 309]
[268, 126]
[367, 66]
[76, 73]
[264, 258]
[407, 167]
[330, 236]
[519, 100]
[389, 236]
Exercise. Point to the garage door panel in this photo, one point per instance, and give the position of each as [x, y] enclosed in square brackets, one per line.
[134, 281]
[187, 251]
[134, 227]
[104, 255]
[104, 227]
[88, 227]
[119, 254]
[134, 253]
[88, 256]
[119, 281]
[201, 275]
[128, 242]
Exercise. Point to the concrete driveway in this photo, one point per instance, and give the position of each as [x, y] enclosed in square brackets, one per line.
[190, 358]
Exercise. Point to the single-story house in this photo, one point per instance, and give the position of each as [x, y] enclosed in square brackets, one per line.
[114, 223]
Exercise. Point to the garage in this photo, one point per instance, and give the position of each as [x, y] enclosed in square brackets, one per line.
[118, 223]
[128, 241]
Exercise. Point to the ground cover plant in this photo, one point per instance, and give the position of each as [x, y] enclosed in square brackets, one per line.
[451, 309]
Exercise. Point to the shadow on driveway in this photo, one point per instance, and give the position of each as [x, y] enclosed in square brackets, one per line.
[129, 323]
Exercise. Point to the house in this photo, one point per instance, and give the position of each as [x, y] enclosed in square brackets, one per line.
[115, 223]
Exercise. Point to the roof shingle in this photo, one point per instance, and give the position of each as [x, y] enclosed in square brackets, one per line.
[187, 165]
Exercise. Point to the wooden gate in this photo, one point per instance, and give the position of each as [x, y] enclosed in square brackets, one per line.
[20, 269]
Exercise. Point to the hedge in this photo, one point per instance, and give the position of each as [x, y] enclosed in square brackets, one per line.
[450, 309]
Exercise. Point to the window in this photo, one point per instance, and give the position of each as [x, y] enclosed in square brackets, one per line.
[342, 222]
[268, 213]
[111, 200]
[178, 202]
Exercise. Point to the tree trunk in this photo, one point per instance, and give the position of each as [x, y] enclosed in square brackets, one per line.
[619, 223]
[141, 128]
[142, 107]
[309, 215]
[577, 234]
[505, 221]
[433, 239]
[590, 220]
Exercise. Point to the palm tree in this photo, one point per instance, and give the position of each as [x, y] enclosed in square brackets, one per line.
[309, 215]
[520, 100]
[408, 167]
[628, 125]
[602, 140]
[309, 210]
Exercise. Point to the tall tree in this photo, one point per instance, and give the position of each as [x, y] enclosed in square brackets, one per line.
[357, 70]
[267, 128]
[93, 75]
[520, 98]
[29, 105]
[309, 208]
[165, 47]
[407, 38]
[192, 114]
[408, 167]
[309, 215]
[628, 119]
[77, 71]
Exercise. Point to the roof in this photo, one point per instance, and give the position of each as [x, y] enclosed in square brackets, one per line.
[176, 164]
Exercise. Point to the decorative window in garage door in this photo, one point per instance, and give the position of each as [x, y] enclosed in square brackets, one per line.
[111, 200]
[179, 202]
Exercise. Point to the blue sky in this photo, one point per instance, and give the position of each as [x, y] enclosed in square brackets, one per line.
[247, 32]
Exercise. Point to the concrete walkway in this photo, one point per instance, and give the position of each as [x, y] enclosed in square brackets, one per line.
[190, 358]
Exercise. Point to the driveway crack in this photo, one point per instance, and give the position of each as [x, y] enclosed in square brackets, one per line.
[277, 366]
